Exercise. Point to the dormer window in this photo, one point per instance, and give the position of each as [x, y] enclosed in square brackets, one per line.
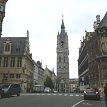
[7, 46]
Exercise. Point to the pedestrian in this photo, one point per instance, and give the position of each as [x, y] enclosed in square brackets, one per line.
[105, 93]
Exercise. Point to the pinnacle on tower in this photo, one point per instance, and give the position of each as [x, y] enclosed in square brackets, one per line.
[62, 25]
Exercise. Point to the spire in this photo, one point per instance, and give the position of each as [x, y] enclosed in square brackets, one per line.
[27, 33]
[27, 40]
[103, 23]
[62, 25]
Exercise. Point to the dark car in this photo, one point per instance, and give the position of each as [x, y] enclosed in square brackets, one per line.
[10, 89]
[0, 91]
[92, 93]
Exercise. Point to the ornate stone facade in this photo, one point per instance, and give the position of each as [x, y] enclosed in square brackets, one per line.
[16, 65]
[92, 61]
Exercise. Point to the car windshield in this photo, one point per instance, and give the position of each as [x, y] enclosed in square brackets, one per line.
[5, 86]
[91, 90]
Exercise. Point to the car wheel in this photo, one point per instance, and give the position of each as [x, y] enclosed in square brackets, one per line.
[18, 94]
[85, 98]
[0, 96]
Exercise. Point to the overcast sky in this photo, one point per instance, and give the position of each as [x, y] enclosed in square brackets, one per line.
[43, 19]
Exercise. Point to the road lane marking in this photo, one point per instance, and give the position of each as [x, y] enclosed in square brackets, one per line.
[71, 94]
[60, 94]
[54, 94]
[77, 103]
[76, 95]
[65, 94]
[43, 94]
[48, 94]
[87, 104]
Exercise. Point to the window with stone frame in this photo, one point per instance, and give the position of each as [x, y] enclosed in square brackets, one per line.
[5, 75]
[18, 75]
[11, 75]
[7, 47]
[5, 61]
[64, 58]
[12, 63]
[60, 59]
[19, 62]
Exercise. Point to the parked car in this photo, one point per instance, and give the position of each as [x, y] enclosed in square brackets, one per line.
[0, 91]
[92, 93]
[10, 89]
[47, 90]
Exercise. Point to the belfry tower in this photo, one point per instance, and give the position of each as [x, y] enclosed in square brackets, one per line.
[2, 13]
[62, 60]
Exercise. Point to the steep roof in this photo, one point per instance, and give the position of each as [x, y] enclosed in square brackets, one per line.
[18, 45]
[103, 22]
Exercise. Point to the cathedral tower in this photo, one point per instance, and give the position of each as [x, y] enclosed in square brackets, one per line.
[2, 13]
[62, 60]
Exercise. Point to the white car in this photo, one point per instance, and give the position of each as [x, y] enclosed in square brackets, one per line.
[47, 90]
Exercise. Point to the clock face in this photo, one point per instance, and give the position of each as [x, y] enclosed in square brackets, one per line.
[1, 8]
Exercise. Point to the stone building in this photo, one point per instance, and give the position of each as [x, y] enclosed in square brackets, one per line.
[16, 65]
[2, 13]
[92, 61]
[35, 73]
[73, 85]
[40, 73]
[51, 74]
[62, 60]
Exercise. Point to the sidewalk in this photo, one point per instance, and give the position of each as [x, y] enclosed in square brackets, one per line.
[102, 100]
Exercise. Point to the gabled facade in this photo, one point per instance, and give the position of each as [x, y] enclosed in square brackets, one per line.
[51, 74]
[16, 65]
[62, 60]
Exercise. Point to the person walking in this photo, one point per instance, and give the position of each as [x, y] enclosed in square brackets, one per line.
[105, 93]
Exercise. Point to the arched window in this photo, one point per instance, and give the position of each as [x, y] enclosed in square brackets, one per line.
[7, 47]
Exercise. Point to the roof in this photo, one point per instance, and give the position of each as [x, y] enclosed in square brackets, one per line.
[103, 22]
[18, 45]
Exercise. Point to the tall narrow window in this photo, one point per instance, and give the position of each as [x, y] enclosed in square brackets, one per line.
[5, 61]
[18, 75]
[19, 62]
[11, 75]
[60, 59]
[7, 47]
[12, 63]
[64, 58]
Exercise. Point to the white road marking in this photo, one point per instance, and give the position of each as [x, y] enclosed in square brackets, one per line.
[59, 94]
[65, 94]
[43, 94]
[37, 94]
[77, 103]
[76, 95]
[87, 104]
[48, 94]
[71, 94]
[53, 94]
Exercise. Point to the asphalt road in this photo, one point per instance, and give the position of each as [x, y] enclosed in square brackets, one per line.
[49, 100]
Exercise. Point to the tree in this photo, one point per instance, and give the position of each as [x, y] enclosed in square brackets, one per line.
[48, 82]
